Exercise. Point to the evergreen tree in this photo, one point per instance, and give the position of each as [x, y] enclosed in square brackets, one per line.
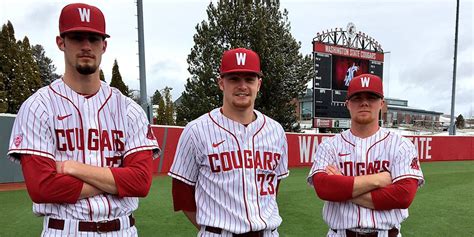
[8, 59]
[3, 95]
[165, 110]
[3, 70]
[19, 75]
[160, 112]
[45, 65]
[257, 25]
[169, 109]
[102, 77]
[117, 81]
[155, 99]
[460, 123]
[3, 75]
[26, 76]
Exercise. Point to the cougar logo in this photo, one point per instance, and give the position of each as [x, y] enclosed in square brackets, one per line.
[415, 164]
[350, 74]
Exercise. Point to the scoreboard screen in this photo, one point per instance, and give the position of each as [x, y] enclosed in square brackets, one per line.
[323, 69]
[345, 69]
[335, 66]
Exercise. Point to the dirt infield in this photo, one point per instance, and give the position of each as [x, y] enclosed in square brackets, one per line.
[12, 186]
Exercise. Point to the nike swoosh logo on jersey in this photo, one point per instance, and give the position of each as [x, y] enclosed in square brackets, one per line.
[343, 154]
[63, 117]
[217, 144]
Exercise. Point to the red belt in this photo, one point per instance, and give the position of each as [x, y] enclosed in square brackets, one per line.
[218, 231]
[100, 226]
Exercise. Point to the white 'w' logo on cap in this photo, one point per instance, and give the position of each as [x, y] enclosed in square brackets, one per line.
[85, 14]
[240, 58]
[364, 81]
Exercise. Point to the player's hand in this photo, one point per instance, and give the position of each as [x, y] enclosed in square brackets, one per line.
[385, 179]
[332, 170]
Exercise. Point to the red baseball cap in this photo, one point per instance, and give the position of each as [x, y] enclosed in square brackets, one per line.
[365, 83]
[240, 60]
[82, 17]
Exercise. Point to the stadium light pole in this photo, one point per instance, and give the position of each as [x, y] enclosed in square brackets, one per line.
[452, 127]
[141, 62]
[386, 76]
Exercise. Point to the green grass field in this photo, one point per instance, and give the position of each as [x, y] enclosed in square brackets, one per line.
[444, 206]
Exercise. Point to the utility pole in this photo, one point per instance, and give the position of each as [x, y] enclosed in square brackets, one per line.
[141, 62]
[452, 127]
[386, 71]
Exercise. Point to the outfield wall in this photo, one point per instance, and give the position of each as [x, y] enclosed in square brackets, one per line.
[301, 147]
[9, 171]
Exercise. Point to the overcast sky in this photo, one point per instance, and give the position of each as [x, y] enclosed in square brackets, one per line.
[419, 34]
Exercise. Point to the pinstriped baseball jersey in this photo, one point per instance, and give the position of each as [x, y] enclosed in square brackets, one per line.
[234, 169]
[100, 130]
[383, 151]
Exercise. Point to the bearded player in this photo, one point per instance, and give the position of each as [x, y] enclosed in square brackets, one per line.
[229, 162]
[367, 175]
[85, 149]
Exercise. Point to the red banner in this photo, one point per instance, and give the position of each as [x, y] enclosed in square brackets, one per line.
[301, 147]
[347, 52]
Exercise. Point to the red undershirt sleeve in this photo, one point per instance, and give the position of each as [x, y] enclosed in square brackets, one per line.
[45, 185]
[334, 188]
[183, 196]
[135, 177]
[398, 195]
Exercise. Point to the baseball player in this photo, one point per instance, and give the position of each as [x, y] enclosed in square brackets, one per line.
[229, 162]
[368, 176]
[85, 149]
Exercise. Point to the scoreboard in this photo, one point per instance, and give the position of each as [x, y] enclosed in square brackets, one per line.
[334, 67]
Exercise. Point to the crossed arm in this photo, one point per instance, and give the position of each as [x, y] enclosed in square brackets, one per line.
[374, 191]
[48, 181]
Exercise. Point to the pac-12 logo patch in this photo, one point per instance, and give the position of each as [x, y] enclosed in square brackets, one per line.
[150, 134]
[18, 139]
[415, 164]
